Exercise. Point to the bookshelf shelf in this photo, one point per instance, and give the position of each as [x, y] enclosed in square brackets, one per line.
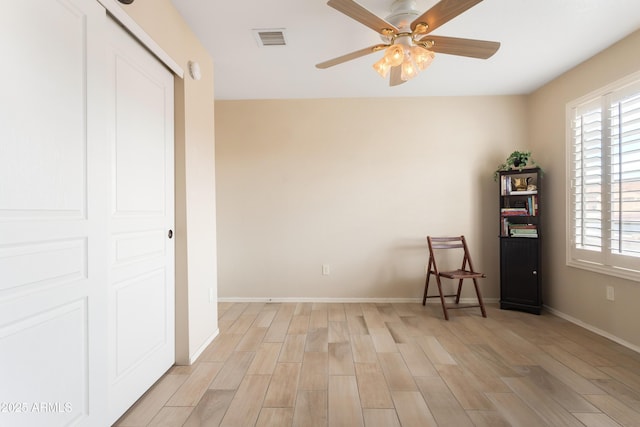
[520, 240]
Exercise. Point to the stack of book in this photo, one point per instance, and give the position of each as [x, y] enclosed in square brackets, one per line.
[523, 230]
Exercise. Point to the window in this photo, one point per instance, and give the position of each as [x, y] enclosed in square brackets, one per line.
[604, 180]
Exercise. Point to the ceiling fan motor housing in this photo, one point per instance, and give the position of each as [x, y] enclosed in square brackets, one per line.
[403, 13]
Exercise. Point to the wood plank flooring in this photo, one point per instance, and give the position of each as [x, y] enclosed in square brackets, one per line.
[315, 364]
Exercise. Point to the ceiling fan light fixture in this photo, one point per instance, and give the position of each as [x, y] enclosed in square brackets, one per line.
[409, 69]
[394, 55]
[382, 67]
[422, 57]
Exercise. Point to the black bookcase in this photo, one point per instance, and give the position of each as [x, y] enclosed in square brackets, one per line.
[521, 234]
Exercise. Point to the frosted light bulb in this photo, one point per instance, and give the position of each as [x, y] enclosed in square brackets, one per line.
[409, 70]
[422, 57]
[394, 55]
[382, 67]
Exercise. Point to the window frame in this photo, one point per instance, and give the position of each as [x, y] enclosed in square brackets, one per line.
[604, 261]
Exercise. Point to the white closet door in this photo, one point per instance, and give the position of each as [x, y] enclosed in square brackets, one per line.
[141, 259]
[53, 246]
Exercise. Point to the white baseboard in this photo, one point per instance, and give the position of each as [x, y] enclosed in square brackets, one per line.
[592, 329]
[347, 300]
[193, 357]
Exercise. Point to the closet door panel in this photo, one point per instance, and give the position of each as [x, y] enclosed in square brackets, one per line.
[141, 262]
[53, 242]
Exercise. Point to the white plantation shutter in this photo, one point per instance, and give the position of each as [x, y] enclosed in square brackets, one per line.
[604, 181]
[624, 176]
[586, 177]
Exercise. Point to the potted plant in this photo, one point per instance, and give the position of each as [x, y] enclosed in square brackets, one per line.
[516, 160]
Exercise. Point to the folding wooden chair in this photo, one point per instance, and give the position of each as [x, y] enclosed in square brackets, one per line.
[465, 272]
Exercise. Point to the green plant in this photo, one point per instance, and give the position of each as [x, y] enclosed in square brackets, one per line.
[516, 160]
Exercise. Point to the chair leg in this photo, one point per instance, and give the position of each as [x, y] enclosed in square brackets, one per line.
[426, 288]
[475, 283]
[444, 306]
[459, 291]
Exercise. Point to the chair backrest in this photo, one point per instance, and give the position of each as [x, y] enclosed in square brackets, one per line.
[453, 242]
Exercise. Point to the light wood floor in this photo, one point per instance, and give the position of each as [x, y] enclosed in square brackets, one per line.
[396, 365]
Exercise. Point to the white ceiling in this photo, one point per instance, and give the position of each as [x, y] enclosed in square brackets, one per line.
[540, 39]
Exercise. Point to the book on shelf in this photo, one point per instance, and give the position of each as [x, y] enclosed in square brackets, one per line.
[523, 230]
[530, 235]
[514, 211]
[532, 204]
[523, 227]
[505, 185]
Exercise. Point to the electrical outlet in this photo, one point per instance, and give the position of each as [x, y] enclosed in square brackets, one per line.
[326, 270]
[211, 295]
[610, 293]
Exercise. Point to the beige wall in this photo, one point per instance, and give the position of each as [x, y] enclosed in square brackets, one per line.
[356, 184]
[575, 292]
[196, 274]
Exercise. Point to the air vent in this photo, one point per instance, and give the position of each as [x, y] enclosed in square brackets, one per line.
[270, 37]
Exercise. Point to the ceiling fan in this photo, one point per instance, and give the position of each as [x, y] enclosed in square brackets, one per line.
[409, 46]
